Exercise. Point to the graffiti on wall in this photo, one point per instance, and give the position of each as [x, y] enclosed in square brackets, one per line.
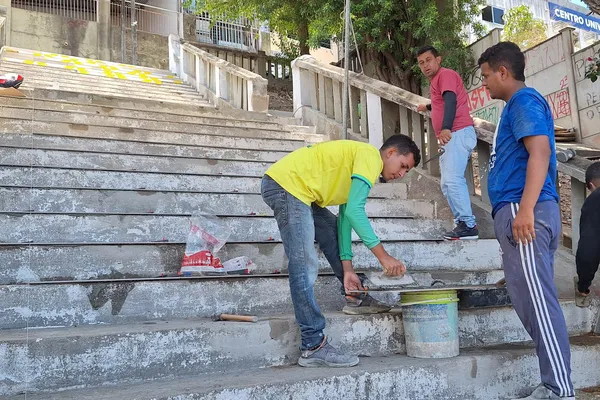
[478, 98]
[560, 103]
[490, 113]
[544, 56]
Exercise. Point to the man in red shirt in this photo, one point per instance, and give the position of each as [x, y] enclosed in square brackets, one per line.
[454, 129]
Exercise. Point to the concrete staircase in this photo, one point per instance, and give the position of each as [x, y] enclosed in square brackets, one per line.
[98, 178]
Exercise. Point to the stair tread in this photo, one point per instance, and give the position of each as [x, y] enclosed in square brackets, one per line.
[458, 376]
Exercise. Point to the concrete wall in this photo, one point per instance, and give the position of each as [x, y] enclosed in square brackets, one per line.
[79, 38]
[54, 33]
[588, 97]
[548, 68]
[556, 72]
[152, 49]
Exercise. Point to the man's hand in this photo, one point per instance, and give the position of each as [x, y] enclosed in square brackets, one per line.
[445, 137]
[391, 266]
[523, 226]
[352, 282]
[422, 108]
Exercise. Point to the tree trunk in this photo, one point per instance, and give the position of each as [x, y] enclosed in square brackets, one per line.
[303, 37]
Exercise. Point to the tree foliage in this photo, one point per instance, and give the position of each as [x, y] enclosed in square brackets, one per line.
[594, 5]
[388, 32]
[521, 28]
[307, 21]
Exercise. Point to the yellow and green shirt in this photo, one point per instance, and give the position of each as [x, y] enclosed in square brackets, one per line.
[340, 172]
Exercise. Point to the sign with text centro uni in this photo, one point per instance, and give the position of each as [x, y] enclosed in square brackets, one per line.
[577, 19]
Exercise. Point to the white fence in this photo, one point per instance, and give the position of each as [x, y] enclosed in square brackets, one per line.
[224, 83]
[86, 10]
[241, 33]
[149, 19]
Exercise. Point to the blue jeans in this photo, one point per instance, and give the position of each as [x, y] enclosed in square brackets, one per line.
[300, 225]
[454, 184]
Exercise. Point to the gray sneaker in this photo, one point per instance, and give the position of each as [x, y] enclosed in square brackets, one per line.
[368, 305]
[542, 392]
[326, 356]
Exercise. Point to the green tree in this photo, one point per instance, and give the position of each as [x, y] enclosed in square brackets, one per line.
[388, 32]
[307, 21]
[521, 28]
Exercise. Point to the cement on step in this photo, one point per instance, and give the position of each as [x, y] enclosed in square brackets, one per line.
[480, 374]
[122, 228]
[444, 261]
[93, 355]
[69, 304]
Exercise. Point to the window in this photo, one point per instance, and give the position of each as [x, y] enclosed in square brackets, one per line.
[493, 14]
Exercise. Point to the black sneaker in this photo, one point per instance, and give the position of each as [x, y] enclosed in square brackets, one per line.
[462, 232]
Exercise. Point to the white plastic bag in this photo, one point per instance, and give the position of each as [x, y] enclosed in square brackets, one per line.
[206, 237]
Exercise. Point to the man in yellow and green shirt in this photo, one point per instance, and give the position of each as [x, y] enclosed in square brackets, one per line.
[298, 188]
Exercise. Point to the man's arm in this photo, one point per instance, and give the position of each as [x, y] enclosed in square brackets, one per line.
[354, 213]
[588, 250]
[537, 170]
[449, 115]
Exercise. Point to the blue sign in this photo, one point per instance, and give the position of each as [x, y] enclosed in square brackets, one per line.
[574, 18]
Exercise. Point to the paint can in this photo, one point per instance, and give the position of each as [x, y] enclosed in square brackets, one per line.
[430, 322]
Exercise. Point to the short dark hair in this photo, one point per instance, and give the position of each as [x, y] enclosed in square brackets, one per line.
[508, 55]
[592, 174]
[425, 49]
[403, 145]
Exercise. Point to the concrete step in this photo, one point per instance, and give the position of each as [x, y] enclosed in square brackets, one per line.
[139, 202]
[42, 177]
[201, 118]
[35, 85]
[172, 98]
[497, 373]
[443, 261]
[50, 142]
[203, 108]
[113, 301]
[90, 68]
[118, 299]
[123, 162]
[124, 228]
[63, 60]
[267, 131]
[93, 355]
[208, 139]
[136, 80]
[34, 76]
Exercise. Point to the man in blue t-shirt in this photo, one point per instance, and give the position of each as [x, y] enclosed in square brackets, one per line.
[526, 214]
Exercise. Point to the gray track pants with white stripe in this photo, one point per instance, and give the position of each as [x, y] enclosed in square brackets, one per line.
[529, 272]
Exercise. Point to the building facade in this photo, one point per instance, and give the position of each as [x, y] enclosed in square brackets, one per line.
[556, 14]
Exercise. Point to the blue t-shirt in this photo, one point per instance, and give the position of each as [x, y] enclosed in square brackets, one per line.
[527, 113]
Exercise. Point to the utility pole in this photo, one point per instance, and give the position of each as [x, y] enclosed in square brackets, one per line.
[346, 74]
[133, 33]
[123, 32]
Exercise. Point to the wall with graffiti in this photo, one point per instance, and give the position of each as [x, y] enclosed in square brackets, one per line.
[546, 70]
